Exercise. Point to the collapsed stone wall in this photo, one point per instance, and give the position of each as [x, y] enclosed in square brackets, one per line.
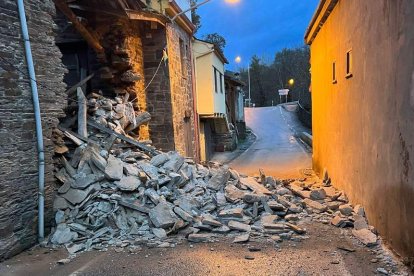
[18, 152]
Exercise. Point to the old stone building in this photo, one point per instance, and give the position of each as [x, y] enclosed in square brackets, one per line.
[363, 107]
[124, 48]
[140, 53]
[18, 153]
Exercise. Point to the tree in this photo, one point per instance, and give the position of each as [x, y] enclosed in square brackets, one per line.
[195, 17]
[217, 40]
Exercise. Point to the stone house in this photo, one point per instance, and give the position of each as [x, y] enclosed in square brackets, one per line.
[125, 45]
[209, 64]
[363, 106]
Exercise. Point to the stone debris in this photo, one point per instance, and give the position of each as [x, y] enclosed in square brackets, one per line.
[116, 193]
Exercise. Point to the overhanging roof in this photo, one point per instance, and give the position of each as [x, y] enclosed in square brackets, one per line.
[217, 51]
[322, 13]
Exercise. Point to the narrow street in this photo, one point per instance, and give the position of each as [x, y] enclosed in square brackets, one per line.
[276, 150]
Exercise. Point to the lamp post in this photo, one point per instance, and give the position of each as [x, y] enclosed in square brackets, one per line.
[238, 60]
[200, 4]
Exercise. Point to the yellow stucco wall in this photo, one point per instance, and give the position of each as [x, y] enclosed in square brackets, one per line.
[362, 126]
[208, 101]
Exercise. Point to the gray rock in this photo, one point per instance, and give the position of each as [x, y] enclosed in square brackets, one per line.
[291, 217]
[129, 183]
[74, 248]
[59, 217]
[149, 169]
[275, 206]
[359, 210]
[360, 223]
[318, 194]
[235, 225]
[252, 184]
[221, 199]
[131, 169]
[333, 205]
[63, 235]
[339, 221]
[222, 230]
[153, 195]
[315, 205]
[346, 209]
[365, 236]
[382, 271]
[251, 198]
[232, 193]
[159, 159]
[219, 179]
[114, 168]
[65, 187]
[242, 238]
[60, 203]
[84, 181]
[76, 196]
[210, 220]
[162, 216]
[183, 214]
[174, 163]
[230, 213]
[159, 233]
[199, 237]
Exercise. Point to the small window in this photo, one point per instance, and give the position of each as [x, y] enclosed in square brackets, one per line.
[349, 64]
[221, 82]
[215, 80]
[334, 80]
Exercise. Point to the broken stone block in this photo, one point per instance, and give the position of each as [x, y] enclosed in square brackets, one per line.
[59, 217]
[174, 163]
[297, 190]
[339, 221]
[76, 196]
[232, 193]
[365, 236]
[229, 213]
[183, 214]
[219, 179]
[315, 205]
[222, 230]
[84, 181]
[131, 169]
[235, 225]
[268, 219]
[128, 183]
[333, 205]
[162, 216]
[153, 195]
[60, 203]
[275, 206]
[199, 237]
[210, 220]
[360, 223]
[291, 217]
[221, 199]
[359, 210]
[74, 248]
[252, 184]
[114, 168]
[63, 235]
[346, 209]
[318, 194]
[242, 238]
[251, 198]
[275, 226]
[149, 169]
[159, 233]
[159, 160]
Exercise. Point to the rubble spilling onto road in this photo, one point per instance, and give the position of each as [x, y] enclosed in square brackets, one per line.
[117, 193]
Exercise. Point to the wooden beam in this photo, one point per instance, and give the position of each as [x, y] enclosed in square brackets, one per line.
[79, 84]
[139, 145]
[147, 16]
[85, 33]
[82, 113]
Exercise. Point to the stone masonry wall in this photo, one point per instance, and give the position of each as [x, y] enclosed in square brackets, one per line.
[18, 152]
[181, 82]
[158, 92]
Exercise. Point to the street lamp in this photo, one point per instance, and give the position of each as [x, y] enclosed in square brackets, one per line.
[238, 60]
[291, 82]
[200, 4]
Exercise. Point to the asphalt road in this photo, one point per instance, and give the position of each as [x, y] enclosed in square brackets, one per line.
[276, 150]
[317, 255]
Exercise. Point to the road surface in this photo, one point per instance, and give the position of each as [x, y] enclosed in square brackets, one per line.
[276, 150]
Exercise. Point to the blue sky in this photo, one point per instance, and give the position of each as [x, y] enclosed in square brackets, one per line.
[259, 27]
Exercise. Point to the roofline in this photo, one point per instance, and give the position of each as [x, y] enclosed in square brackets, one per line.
[217, 51]
[320, 16]
[182, 19]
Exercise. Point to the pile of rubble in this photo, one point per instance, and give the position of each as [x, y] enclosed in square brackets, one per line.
[118, 192]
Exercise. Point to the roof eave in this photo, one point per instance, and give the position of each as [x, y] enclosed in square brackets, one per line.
[322, 13]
